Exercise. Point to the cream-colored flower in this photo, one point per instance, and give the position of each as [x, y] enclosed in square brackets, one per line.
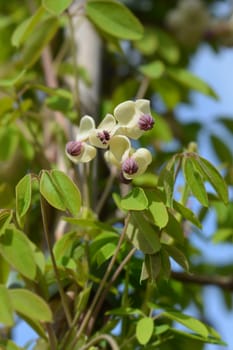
[130, 162]
[101, 136]
[79, 151]
[134, 118]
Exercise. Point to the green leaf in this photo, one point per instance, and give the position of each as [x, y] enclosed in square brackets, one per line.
[26, 27]
[12, 81]
[153, 70]
[222, 234]
[167, 48]
[9, 345]
[16, 248]
[191, 81]
[23, 197]
[157, 209]
[195, 181]
[4, 270]
[40, 38]
[62, 100]
[114, 18]
[60, 191]
[56, 7]
[178, 256]
[167, 180]
[30, 305]
[135, 200]
[151, 267]
[221, 149]
[5, 219]
[215, 178]
[187, 321]
[105, 252]
[144, 330]
[180, 335]
[6, 314]
[103, 246]
[186, 213]
[142, 235]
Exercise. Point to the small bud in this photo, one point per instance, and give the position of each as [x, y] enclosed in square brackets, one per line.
[104, 136]
[74, 148]
[146, 122]
[129, 166]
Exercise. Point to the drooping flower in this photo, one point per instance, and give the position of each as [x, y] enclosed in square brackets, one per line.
[101, 136]
[131, 163]
[134, 118]
[79, 151]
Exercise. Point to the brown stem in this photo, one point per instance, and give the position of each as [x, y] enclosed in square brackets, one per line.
[224, 282]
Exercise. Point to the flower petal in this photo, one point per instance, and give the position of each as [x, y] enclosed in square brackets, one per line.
[87, 154]
[107, 123]
[143, 105]
[87, 124]
[118, 150]
[142, 158]
[125, 112]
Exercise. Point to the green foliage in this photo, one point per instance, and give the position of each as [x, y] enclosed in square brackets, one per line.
[109, 261]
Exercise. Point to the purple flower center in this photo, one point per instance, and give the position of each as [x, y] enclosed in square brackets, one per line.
[129, 166]
[104, 136]
[74, 148]
[146, 122]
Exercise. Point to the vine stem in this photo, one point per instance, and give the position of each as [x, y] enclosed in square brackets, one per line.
[106, 337]
[102, 283]
[60, 288]
[110, 283]
[51, 336]
[106, 191]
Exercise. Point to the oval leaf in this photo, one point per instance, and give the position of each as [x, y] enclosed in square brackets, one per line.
[114, 18]
[135, 200]
[17, 251]
[188, 321]
[23, 197]
[56, 7]
[5, 219]
[215, 178]
[6, 314]
[144, 330]
[142, 235]
[60, 191]
[195, 181]
[30, 305]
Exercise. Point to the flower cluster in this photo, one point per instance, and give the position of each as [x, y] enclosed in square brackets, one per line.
[130, 120]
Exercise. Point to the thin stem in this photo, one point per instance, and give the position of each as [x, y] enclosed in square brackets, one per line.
[106, 192]
[60, 288]
[142, 88]
[51, 336]
[108, 338]
[110, 283]
[103, 282]
[85, 176]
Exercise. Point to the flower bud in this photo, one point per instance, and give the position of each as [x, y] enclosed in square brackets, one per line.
[129, 166]
[146, 122]
[74, 148]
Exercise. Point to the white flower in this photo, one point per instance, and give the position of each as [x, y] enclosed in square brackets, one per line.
[101, 136]
[79, 151]
[134, 118]
[130, 162]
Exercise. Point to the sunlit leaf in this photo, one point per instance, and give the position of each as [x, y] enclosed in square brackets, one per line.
[135, 200]
[144, 330]
[153, 70]
[56, 7]
[6, 314]
[16, 249]
[178, 256]
[23, 197]
[142, 235]
[60, 191]
[31, 305]
[195, 181]
[5, 219]
[114, 18]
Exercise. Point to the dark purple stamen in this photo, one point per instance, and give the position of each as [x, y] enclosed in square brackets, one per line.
[129, 166]
[104, 136]
[146, 122]
[74, 148]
